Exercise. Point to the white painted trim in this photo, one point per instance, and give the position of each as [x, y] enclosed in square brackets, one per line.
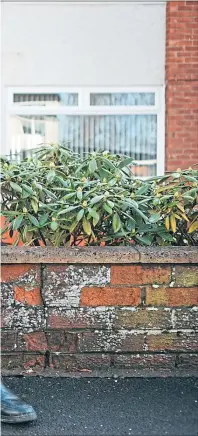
[89, 110]
[91, 2]
[146, 162]
[84, 108]
[161, 135]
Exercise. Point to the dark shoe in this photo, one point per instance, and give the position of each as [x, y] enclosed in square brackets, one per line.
[13, 410]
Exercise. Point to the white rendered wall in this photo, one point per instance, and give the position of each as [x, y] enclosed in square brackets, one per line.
[82, 44]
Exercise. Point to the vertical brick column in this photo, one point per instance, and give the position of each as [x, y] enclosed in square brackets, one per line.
[181, 84]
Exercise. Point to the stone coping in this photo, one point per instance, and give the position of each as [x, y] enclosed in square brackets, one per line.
[98, 255]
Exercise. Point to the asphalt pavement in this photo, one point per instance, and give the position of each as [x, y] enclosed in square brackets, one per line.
[110, 407]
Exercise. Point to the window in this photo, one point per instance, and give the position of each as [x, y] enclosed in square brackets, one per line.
[123, 121]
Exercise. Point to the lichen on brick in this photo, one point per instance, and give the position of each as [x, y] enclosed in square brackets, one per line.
[97, 317]
[23, 318]
[122, 340]
[63, 284]
[7, 294]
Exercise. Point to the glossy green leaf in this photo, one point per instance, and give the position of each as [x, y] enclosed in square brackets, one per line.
[125, 162]
[69, 209]
[80, 215]
[43, 220]
[92, 166]
[86, 226]
[107, 208]
[50, 176]
[94, 214]
[34, 205]
[155, 217]
[17, 222]
[54, 225]
[116, 222]
[28, 189]
[33, 220]
[96, 199]
[16, 187]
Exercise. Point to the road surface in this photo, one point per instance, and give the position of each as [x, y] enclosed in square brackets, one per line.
[110, 407]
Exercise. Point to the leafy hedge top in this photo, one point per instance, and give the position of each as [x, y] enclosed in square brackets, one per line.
[57, 198]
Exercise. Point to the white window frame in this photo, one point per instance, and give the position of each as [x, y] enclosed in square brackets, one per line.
[84, 108]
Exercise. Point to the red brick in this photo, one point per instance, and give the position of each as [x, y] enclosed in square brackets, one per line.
[142, 319]
[8, 340]
[186, 318]
[59, 318]
[140, 275]
[28, 296]
[188, 362]
[11, 273]
[186, 275]
[35, 362]
[23, 318]
[22, 361]
[34, 341]
[185, 341]
[145, 361]
[11, 361]
[80, 362]
[59, 340]
[7, 294]
[171, 296]
[181, 80]
[110, 296]
[109, 341]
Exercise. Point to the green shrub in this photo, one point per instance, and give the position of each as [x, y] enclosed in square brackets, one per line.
[61, 199]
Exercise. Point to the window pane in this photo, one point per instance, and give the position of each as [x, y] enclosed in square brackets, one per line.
[145, 170]
[123, 99]
[52, 99]
[133, 135]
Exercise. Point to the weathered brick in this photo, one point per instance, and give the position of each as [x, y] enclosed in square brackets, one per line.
[23, 273]
[11, 361]
[33, 361]
[104, 341]
[110, 296]
[8, 340]
[186, 275]
[34, 341]
[142, 319]
[140, 274]
[22, 361]
[173, 341]
[63, 283]
[171, 296]
[187, 361]
[28, 296]
[59, 340]
[80, 362]
[23, 318]
[186, 318]
[63, 318]
[145, 361]
[31, 297]
[7, 294]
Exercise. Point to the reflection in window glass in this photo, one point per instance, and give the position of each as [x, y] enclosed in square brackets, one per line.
[133, 135]
[52, 99]
[123, 99]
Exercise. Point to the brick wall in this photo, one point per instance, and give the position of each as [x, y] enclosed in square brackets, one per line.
[181, 84]
[110, 309]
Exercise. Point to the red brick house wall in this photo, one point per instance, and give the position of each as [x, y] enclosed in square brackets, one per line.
[181, 84]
